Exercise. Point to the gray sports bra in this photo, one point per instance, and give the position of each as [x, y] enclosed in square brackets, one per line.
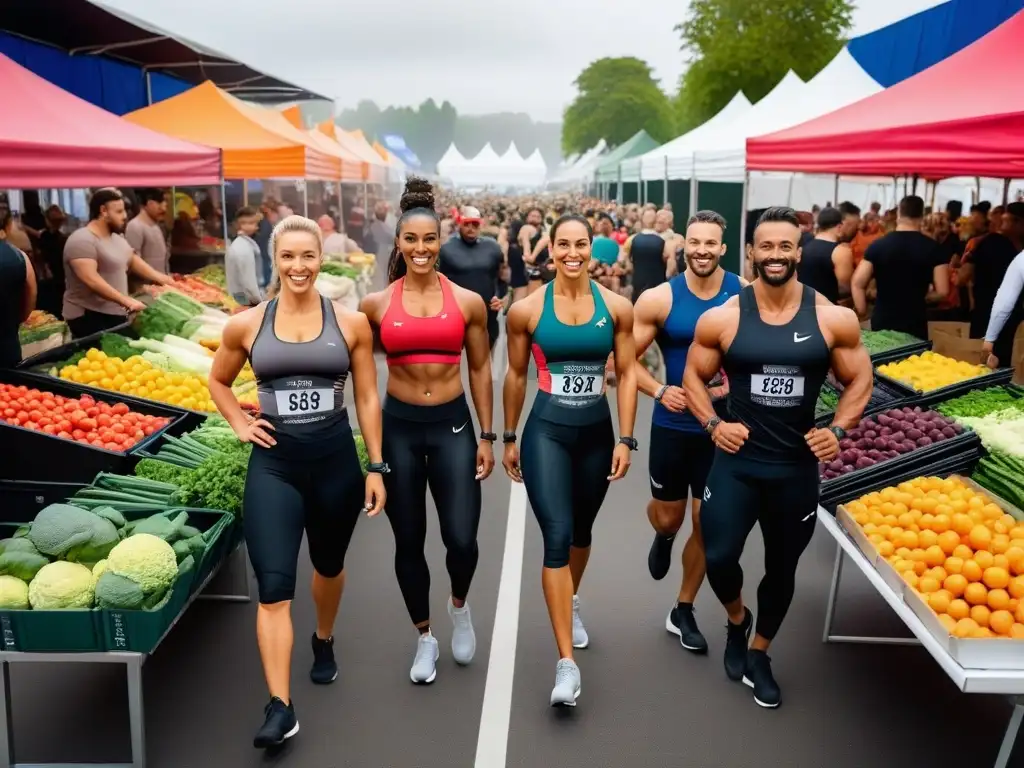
[301, 385]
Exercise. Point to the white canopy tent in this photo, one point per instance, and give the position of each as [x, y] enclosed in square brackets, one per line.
[488, 169]
[452, 162]
[512, 158]
[582, 170]
[537, 167]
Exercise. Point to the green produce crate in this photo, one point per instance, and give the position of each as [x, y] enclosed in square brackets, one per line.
[142, 631]
[72, 631]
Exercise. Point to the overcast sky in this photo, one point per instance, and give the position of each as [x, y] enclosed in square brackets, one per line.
[521, 58]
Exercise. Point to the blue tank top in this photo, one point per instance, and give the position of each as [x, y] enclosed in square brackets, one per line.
[674, 340]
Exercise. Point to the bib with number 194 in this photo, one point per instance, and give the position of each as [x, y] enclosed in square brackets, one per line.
[577, 384]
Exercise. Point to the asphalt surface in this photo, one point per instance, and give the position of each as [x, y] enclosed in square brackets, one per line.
[645, 701]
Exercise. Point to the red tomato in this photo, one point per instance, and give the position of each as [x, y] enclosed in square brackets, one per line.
[77, 416]
[87, 399]
[113, 447]
[90, 436]
[64, 425]
[65, 435]
[59, 400]
[32, 403]
[82, 440]
[148, 430]
[78, 434]
[139, 434]
[118, 427]
[22, 416]
[97, 442]
[35, 414]
[104, 420]
[106, 435]
[119, 408]
[92, 412]
[44, 421]
[22, 389]
[49, 429]
[15, 422]
[88, 424]
[31, 425]
[10, 413]
[48, 403]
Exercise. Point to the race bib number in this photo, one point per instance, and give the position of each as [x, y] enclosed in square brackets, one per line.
[777, 386]
[303, 398]
[578, 384]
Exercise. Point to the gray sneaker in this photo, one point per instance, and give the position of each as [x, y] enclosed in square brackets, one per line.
[580, 638]
[567, 684]
[424, 668]
[463, 636]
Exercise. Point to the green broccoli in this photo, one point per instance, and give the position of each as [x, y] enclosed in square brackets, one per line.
[154, 469]
[217, 483]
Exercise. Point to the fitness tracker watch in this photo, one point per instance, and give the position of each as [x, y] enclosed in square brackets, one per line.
[630, 442]
[488, 436]
[713, 422]
[508, 437]
[839, 432]
[378, 468]
[661, 393]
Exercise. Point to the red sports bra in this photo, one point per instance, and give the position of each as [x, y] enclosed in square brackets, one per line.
[408, 340]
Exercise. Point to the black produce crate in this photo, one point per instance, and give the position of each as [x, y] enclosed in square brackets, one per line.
[30, 455]
[899, 353]
[883, 397]
[22, 499]
[955, 465]
[920, 458]
[997, 377]
[51, 357]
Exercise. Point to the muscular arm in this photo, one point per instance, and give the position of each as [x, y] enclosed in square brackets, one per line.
[86, 270]
[940, 281]
[364, 377]
[541, 245]
[478, 353]
[648, 314]
[625, 363]
[703, 361]
[139, 266]
[514, 390]
[859, 287]
[227, 363]
[850, 363]
[842, 263]
[1007, 297]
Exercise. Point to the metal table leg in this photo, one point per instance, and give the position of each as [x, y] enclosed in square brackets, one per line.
[1010, 737]
[6, 721]
[136, 714]
[237, 568]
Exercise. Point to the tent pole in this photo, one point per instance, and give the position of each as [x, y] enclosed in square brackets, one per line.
[305, 198]
[914, 186]
[789, 194]
[665, 180]
[224, 210]
[245, 192]
[743, 227]
[835, 192]
[693, 193]
[1006, 191]
[149, 90]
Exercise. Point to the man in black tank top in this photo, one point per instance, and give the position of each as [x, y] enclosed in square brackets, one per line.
[826, 264]
[649, 253]
[776, 342]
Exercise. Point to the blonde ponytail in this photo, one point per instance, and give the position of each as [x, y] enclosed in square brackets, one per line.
[291, 223]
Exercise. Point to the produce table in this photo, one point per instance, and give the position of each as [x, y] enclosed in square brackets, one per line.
[1006, 682]
[234, 566]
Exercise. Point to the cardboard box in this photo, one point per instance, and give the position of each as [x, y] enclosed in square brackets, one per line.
[948, 328]
[958, 348]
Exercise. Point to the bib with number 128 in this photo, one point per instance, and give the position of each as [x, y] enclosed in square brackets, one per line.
[577, 385]
[778, 386]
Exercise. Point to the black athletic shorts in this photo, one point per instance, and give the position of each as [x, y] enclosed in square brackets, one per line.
[678, 462]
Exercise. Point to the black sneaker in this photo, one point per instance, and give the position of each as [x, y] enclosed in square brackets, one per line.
[736, 639]
[759, 677]
[659, 559]
[279, 726]
[325, 668]
[680, 622]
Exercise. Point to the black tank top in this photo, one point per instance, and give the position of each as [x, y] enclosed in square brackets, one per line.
[775, 374]
[647, 252]
[13, 273]
[302, 384]
[816, 269]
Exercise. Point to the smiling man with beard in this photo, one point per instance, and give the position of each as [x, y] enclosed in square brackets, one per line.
[681, 452]
[776, 341]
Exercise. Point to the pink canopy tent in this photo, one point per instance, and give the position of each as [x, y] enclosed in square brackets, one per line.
[50, 138]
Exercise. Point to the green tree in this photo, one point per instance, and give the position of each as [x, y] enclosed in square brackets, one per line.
[738, 45]
[617, 97]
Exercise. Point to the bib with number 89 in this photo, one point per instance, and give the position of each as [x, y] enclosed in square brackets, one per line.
[576, 385]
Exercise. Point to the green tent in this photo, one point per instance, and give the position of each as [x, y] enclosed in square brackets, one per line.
[638, 144]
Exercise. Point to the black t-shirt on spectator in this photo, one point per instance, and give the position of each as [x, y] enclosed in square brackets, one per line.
[991, 258]
[903, 263]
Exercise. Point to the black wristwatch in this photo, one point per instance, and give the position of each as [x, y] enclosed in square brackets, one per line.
[508, 437]
[713, 422]
[488, 436]
[839, 432]
[661, 393]
[630, 442]
[378, 468]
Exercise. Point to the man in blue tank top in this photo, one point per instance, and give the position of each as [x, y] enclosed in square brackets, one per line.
[681, 452]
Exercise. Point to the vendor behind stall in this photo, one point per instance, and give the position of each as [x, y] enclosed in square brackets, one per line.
[17, 296]
[144, 233]
[243, 260]
[98, 259]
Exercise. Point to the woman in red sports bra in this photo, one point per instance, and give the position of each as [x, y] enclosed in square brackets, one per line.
[425, 321]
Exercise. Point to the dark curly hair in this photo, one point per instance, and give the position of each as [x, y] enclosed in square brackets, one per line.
[417, 200]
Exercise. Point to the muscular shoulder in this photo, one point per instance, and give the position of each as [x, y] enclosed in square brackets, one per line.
[522, 312]
[373, 303]
[620, 307]
[243, 325]
[655, 303]
[840, 323]
[715, 322]
[469, 302]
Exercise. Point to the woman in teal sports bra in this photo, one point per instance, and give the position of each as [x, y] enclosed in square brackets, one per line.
[569, 449]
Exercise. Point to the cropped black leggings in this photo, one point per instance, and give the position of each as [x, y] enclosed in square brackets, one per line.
[288, 492]
[783, 500]
[435, 446]
[565, 471]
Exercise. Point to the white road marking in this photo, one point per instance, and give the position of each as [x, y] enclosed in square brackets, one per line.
[492, 741]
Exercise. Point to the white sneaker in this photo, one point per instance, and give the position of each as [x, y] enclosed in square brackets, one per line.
[580, 638]
[567, 684]
[424, 666]
[463, 636]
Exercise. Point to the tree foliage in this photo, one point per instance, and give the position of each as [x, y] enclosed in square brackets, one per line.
[743, 45]
[617, 97]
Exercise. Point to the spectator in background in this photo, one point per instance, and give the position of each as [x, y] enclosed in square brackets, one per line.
[876, 208]
[986, 267]
[51, 256]
[807, 223]
[337, 244]
[851, 222]
[870, 230]
[242, 261]
[15, 235]
[17, 294]
[144, 232]
[382, 232]
[266, 264]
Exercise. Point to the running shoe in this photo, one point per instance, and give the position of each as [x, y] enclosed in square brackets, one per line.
[463, 636]
[737, 638]
[325, 668]
[659, 559]
[759, 677]
[279, 726]
[580, 638]
[424, 666]
[567, 684]
[680, 622]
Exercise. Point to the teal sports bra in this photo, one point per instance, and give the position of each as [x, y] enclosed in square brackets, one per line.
[571, 363]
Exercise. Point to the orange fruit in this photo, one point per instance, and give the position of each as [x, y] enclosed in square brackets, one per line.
[1016, 631]
[1009, 521]
[998, 599]
[981, 614]
[948, 541]
[928, 584]
[958, 609]
[939, 601]
[980, 537]
[1019, 613]
[920, 566]
[885, 548]
[981, 633]
[1016, 587]
[963, 551]
[1001, 561]
[911, 578]
[942, 521]
[976, 594]
[964, 627]
[1000, 622]
[991, 511]
[934, 556]
[938, 573]
[927, 539]
[908, 539]
[1015, 560]
[955, 584]
[906, 520]
[961, 523]
[948, 622]
[1000, 543]
[954, 564]
[984, 559]
[972, 571]
[1017, 532]
[995, 578]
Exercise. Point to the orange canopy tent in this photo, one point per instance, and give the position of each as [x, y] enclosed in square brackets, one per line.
[352, 168]
[256, 143]
[293, 115]
[376, 168]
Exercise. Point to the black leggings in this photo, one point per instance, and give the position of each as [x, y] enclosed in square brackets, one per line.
[94, 322]
[286, 493]
[565, 470]
[783, 499]
[431, 445]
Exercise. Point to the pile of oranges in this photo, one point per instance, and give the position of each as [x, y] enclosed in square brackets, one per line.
[958, 549]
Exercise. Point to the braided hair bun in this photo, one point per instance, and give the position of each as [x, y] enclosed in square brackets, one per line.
[418, 193]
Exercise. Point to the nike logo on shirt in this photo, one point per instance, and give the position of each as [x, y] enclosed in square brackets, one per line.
[809, 516]
[798, 338]
[456, 431]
